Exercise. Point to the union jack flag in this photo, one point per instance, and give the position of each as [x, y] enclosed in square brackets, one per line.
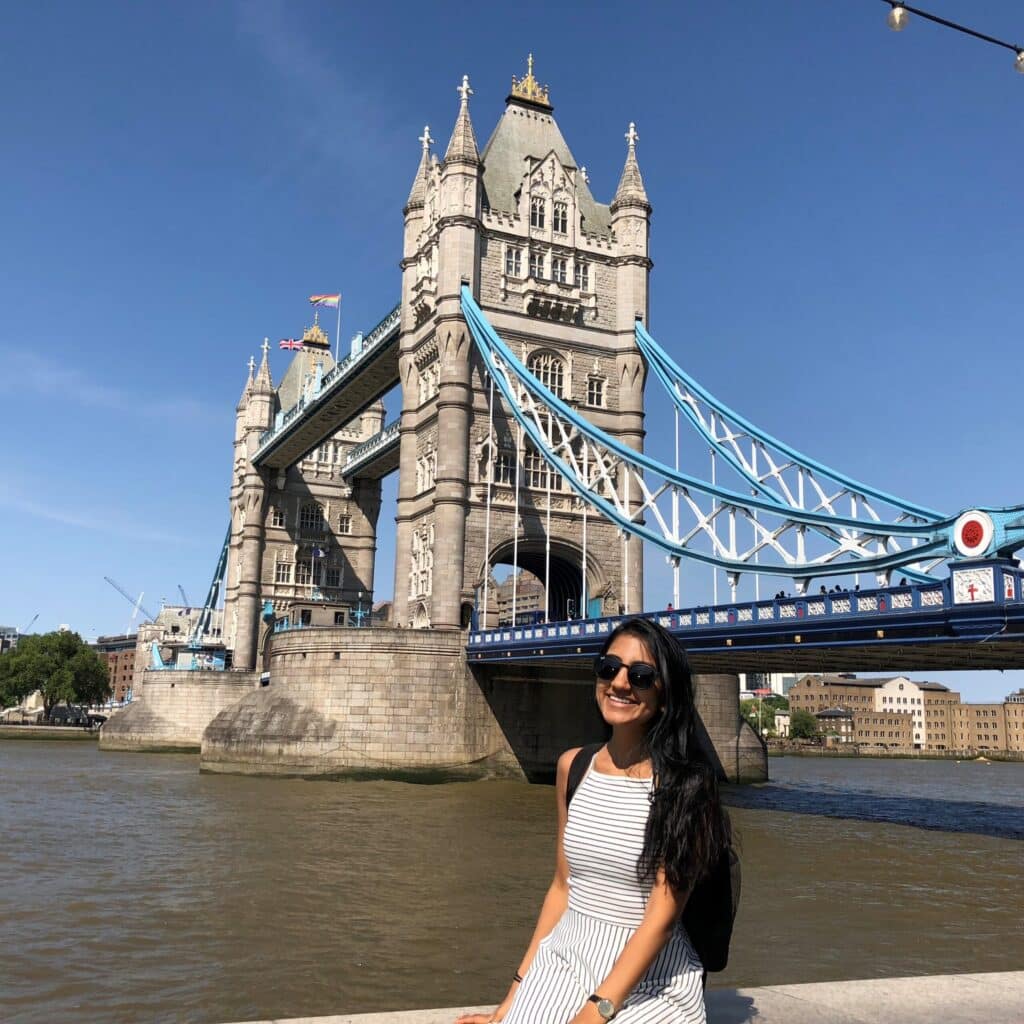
[290, 343]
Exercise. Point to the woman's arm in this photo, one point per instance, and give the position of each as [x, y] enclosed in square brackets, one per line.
[555, 902]
[663, 909]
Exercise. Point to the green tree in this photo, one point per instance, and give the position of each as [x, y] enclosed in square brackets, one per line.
[777, 701]
[761, 719]
[60, 665]
[803, 725]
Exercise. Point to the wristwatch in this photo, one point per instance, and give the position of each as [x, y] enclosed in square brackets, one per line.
[605, 1007]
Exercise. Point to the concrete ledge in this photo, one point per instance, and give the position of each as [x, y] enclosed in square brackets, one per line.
[47, 732]
[996, 998]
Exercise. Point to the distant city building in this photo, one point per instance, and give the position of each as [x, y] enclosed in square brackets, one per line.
[897, 711]
[528, 593]
[8, 638]
[118, 653]
[782, 723]
[836, 725]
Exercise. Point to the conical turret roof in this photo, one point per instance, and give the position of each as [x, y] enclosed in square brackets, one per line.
[631, 184]
[418, 192]
[263, 384]
[462, 145]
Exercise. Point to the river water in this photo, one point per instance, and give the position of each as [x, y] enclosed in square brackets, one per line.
[133, 888]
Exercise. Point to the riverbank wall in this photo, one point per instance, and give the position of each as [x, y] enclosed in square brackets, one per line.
[991, 998]
[174, 709]
[47, 732]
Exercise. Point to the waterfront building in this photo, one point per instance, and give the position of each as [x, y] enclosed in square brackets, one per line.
[884, 729]
[118, 653]
[895, 695]
[938, 719]
[835, 725]
[782, 724]
[8, 638]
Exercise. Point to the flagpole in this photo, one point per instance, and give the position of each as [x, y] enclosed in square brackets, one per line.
[337, 340]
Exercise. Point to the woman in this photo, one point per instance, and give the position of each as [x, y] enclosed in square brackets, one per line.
[644, 824]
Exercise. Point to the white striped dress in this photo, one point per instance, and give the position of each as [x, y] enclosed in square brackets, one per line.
[603, 839]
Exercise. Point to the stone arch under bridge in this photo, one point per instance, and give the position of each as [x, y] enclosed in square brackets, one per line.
[566, 559]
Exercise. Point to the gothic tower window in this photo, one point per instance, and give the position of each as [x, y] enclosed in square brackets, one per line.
[283, 572]
[344, 523]
[513, 261]
[581, 276]
[537, 264]
[537, 211]
[277, 516]
[549, 370]
[595, 391]
[559, 269]
[303, 573]
[539, 474]
[560, 220]
[311, 518]
[333, 577]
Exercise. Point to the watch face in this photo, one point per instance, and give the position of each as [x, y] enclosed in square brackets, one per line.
[606, 1008]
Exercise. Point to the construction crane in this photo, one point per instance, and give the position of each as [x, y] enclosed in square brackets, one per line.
[137, 605]
[30, 625]
[184, 596]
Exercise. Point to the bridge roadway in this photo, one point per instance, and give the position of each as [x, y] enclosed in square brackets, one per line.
[343, 393]
[921, 627]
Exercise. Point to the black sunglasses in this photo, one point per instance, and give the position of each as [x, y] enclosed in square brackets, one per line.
[640, 675]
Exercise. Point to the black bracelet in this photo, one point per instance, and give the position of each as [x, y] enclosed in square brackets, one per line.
[517, 976]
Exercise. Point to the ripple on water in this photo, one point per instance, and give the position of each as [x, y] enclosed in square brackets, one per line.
[135, 889]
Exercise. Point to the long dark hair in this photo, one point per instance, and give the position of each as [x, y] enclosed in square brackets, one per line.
[687, 829]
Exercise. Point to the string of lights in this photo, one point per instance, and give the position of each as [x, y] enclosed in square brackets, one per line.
[899, 18]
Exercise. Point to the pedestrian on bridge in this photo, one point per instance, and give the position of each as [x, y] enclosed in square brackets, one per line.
[643, 825]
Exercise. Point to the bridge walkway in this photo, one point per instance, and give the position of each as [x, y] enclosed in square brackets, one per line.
[343, 393]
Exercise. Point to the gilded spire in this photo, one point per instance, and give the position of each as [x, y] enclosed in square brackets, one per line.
[631, 184]
[529, 89]
[462, 145]
[263, 384]
[419, 185]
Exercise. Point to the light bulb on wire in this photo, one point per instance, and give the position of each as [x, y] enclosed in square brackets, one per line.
[1019, 62]
[898, 18]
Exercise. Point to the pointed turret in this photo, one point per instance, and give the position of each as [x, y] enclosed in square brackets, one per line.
[462, 145]
[247, 390]
[631, 189]
[263, 385]
[419, 185]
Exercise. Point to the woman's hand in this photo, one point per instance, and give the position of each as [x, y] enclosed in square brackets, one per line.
[492, 1018]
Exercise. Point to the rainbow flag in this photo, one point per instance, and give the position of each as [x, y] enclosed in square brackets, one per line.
[329, 301]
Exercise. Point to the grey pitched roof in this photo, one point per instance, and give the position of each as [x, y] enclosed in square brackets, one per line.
[524, 130]
[303, 362]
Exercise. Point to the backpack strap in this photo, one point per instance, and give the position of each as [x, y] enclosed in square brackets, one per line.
[578, 769]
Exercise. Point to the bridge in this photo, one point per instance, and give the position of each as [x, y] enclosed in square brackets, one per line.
[918, 627]
[522, 352]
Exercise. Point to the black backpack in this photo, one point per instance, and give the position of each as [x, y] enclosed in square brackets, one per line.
[711, 909]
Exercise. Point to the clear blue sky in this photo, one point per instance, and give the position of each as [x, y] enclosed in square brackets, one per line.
[836, 238]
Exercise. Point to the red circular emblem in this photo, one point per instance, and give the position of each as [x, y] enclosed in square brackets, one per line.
[972, 533]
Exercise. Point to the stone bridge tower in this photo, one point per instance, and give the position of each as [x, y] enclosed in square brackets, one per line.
[563, 278]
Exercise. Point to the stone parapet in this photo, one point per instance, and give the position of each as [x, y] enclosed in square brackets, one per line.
[994, 998]
[174, 709]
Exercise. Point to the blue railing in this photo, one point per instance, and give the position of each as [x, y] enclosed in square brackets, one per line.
[880, 607]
